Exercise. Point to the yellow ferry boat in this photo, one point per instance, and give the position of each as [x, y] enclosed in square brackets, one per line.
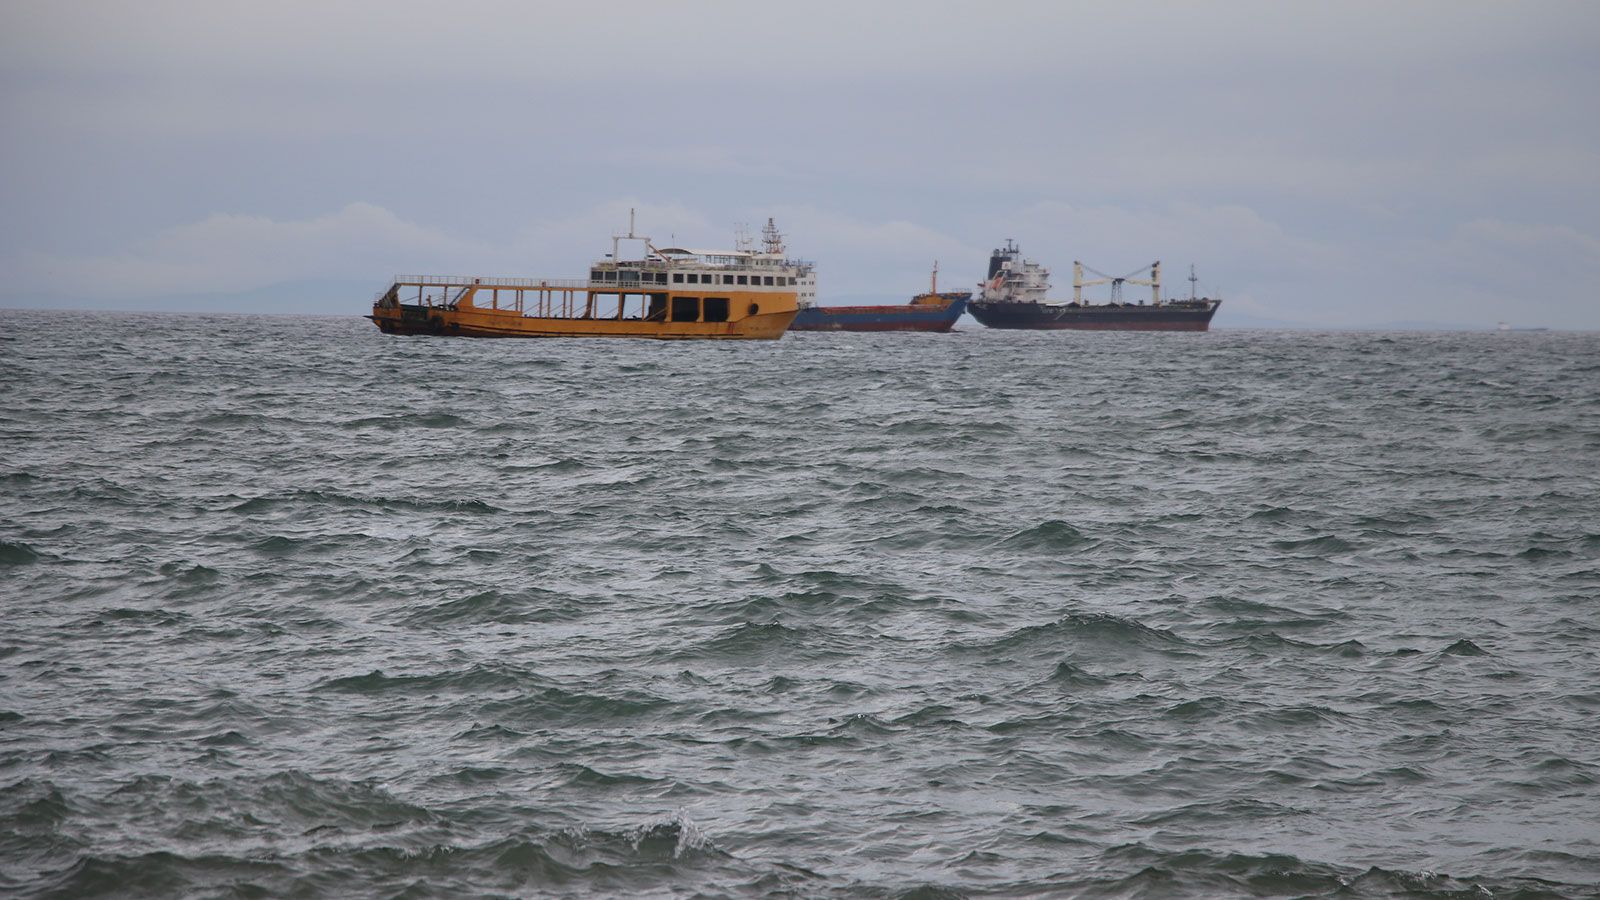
[672, 293]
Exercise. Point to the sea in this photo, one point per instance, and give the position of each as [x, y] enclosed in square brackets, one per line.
[294, 608]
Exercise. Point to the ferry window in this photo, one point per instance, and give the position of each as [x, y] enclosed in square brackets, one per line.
[694, 278]
[594, 274]
[677, 278]
[685, 309]
[744, 279]
[769, 280]
[716, 309]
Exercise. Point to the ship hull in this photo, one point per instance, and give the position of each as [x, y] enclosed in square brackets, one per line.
[1175, 316]
[749, 316]
[905, 317]
[452, 323]
[767, 327]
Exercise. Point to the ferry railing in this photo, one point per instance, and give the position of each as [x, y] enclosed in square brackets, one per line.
[528, 282]
[473, 281]
[545, 288]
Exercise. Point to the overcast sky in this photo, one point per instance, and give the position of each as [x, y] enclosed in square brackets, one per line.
[1330, 164]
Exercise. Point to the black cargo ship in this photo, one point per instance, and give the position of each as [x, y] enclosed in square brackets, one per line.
[1014, 297]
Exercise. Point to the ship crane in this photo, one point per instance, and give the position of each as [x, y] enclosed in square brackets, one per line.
[1153, 282]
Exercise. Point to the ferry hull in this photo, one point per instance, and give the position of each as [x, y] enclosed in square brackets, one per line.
[769, 327]
[1175, 316]
[465, 319]
[914, 316]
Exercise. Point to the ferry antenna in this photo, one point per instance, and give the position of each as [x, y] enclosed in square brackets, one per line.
[771, 239]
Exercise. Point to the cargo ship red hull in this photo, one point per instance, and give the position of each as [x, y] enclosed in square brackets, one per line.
[1177, 315]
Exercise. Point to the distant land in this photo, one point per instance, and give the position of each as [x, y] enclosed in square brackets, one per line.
[337, 297]
[329, 297]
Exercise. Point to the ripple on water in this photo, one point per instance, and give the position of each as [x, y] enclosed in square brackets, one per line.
[300, 609]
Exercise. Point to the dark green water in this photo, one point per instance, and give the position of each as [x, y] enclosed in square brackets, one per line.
[293, 608]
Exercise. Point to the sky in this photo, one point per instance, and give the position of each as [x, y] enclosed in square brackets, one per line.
[1327, 165]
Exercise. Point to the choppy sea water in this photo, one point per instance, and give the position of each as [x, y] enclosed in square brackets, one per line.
[292, 607]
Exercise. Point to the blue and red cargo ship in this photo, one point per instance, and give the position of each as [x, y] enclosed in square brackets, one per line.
[931, 311]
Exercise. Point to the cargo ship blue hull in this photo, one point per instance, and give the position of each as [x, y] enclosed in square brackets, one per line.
[919, 315]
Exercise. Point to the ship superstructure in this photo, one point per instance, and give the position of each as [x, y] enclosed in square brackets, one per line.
[671, 292]
[1016, 291]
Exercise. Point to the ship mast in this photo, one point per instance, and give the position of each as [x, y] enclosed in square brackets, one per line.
[1192, 280]
[934, 287]
[617, 239]
[771, 240]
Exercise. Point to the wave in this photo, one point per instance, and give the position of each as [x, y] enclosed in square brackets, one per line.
[1065, 673]
[1464, 647]
[1097, 633]
[752, 641]
[582, 859]
[1326, 543]
[17, 554]
[526, 606]
[400, 421]
[303, 499]
[1051, 535]
[1201, 873]
[556, 706]
[476, 678]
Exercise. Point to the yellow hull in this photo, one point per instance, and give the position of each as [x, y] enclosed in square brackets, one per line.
[748, 316]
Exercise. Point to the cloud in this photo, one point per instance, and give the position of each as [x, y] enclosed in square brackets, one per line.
[1557, 239]
[229, 253]
[891, 258]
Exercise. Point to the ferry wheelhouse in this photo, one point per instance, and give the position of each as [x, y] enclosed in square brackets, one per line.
[671, 293]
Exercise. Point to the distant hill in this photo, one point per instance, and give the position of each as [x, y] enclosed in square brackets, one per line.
[318, 297]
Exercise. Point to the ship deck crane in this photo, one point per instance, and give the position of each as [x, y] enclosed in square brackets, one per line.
[1153, 282]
